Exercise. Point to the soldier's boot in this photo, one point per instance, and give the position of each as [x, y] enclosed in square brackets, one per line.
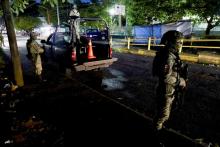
[41, 79]
[38, 78]
[13, 87]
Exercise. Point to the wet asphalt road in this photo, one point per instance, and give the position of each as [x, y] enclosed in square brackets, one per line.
[129, 81]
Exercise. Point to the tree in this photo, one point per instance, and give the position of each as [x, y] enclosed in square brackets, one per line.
[19, 6]
[143, 12]
[136, 14]
[207, 11]
[28, 19]
[18, 75]
[64, 9]
[96, 9]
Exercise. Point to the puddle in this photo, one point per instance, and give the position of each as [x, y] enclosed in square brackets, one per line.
[115, 83]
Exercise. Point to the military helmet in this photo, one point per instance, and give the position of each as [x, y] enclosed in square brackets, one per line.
[74, 6]
[33, 35]
[171, 37]
[74, 12]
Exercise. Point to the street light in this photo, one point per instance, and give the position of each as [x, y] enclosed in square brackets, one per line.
[118, 10]
[111, 13]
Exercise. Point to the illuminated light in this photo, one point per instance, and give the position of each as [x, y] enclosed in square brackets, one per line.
[111, 11]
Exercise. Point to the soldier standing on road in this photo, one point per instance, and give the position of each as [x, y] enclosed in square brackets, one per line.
[35, 50]
[166, 68]
[74, 15]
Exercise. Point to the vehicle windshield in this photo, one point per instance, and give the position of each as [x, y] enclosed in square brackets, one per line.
[92, 26]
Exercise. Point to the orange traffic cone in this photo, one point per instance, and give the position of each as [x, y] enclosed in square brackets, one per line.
[90, 50]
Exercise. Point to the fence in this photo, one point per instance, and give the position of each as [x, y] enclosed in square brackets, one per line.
[151, 42]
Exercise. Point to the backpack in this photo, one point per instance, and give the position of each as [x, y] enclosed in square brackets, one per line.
[29, 55]
[158, 63]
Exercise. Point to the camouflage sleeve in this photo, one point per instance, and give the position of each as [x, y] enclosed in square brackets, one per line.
[35, 48]
[170, 75]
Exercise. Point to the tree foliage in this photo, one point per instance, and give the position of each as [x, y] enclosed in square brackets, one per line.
[96, 9]
[28, 19]
[142, 12]
[139, 12]
[27, 23]
[207, 11]
[19, 6]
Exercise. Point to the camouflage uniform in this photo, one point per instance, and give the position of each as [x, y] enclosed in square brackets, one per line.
[35, 50]
[75, 23]
[169, 77]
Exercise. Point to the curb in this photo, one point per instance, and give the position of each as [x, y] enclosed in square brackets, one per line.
[201, 57]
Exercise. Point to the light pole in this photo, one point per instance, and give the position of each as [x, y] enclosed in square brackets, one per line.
[119, 10]
[111, 13]
[119, 21]
[58, 15]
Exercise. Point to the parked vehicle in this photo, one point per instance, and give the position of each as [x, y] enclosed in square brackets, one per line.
[91, 50]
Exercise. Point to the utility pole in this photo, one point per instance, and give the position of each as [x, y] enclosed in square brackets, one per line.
[58, 14]
[16, 61]
[119, 21]
[48, 15]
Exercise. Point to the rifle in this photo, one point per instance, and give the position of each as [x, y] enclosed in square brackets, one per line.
[180, 91]
[184, 72]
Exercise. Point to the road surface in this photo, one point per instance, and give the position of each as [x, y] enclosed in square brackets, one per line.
[129, 81]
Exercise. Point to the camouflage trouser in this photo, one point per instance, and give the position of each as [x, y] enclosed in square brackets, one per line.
[38, 69]
[165, 97]
[38, 64]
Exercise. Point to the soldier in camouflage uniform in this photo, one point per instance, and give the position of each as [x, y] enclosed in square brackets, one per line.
[75, 23]
[169, 76]
[35, 50]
